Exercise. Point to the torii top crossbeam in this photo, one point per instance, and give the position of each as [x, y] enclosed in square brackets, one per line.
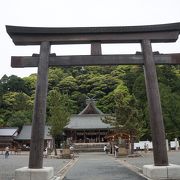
[95, 36]
[82, 35]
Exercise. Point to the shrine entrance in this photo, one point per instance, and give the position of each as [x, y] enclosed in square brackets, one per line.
[145, 35]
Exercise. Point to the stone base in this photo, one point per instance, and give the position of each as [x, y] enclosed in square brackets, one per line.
[25, 173]
[162, 172]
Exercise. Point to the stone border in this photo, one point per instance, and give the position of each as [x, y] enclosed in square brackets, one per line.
[162, 172]
[25, 173]
[63, 171]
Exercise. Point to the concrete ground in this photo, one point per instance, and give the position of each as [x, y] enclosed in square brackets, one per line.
[8, 166]
[99, 166]
[88, 166]
[147, 158]
[136, 163]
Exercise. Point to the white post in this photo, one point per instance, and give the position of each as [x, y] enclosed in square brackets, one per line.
[167, 144]
[176, 144]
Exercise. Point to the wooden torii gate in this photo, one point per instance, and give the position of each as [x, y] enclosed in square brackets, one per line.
[45, 37]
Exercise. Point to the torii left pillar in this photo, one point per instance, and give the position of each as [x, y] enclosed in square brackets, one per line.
[39, 113]
[36, 171]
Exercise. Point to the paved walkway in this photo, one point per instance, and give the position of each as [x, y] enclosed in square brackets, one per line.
[99, 166]
[94, 166]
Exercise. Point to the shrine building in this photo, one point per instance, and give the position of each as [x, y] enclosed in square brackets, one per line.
[87, 126]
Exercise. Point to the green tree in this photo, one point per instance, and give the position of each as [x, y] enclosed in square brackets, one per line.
[130, 75]
[15, 84]
[59, 113]
[3, 84]
[17, 108]
[126, 117]
[30, 84]
[19, 118]
[78, 100]
[139, 91]
[68, 85]
[55, 75]
[102, 83]
[2, 123]
[171, 111]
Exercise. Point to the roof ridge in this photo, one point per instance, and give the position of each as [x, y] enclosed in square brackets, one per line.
[91, 109]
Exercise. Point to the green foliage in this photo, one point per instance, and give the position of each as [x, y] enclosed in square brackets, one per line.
[106, 103]
[68, 84]
[30, 83]
[2, 123]
[18, 108]
[126, 116]
[19, 118]
[13, 83]
[169, 76]
[130, 76]
[16, 102]
[171, 111]
[117, 89]
[54, 77]
[59, 112]
[79, 102]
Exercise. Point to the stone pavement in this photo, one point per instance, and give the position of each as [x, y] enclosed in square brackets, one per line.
[147, 158]
[99, 166]
[89, 166]
[8, 166]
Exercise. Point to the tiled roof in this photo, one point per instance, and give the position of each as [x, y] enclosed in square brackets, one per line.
[89, 118]
[87, 121]
[8, 131]
[25, 133]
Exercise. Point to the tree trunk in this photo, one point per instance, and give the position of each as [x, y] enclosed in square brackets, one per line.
[132, 143]
[54, 147]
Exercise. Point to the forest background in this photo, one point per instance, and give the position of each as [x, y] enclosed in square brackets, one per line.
[118, 90]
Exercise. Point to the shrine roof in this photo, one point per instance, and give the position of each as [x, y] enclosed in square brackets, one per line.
[91, 109]
[25, 133]
[87, 121]
[89, 118]
[8, 131]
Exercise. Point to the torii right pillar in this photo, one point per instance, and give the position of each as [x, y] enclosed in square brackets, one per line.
[155, 111]
[161, 168]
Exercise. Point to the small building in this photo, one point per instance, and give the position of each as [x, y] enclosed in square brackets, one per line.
[7, 135]
[87, 126]
[24, 137]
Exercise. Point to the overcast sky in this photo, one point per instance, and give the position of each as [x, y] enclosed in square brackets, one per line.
[81, 13]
